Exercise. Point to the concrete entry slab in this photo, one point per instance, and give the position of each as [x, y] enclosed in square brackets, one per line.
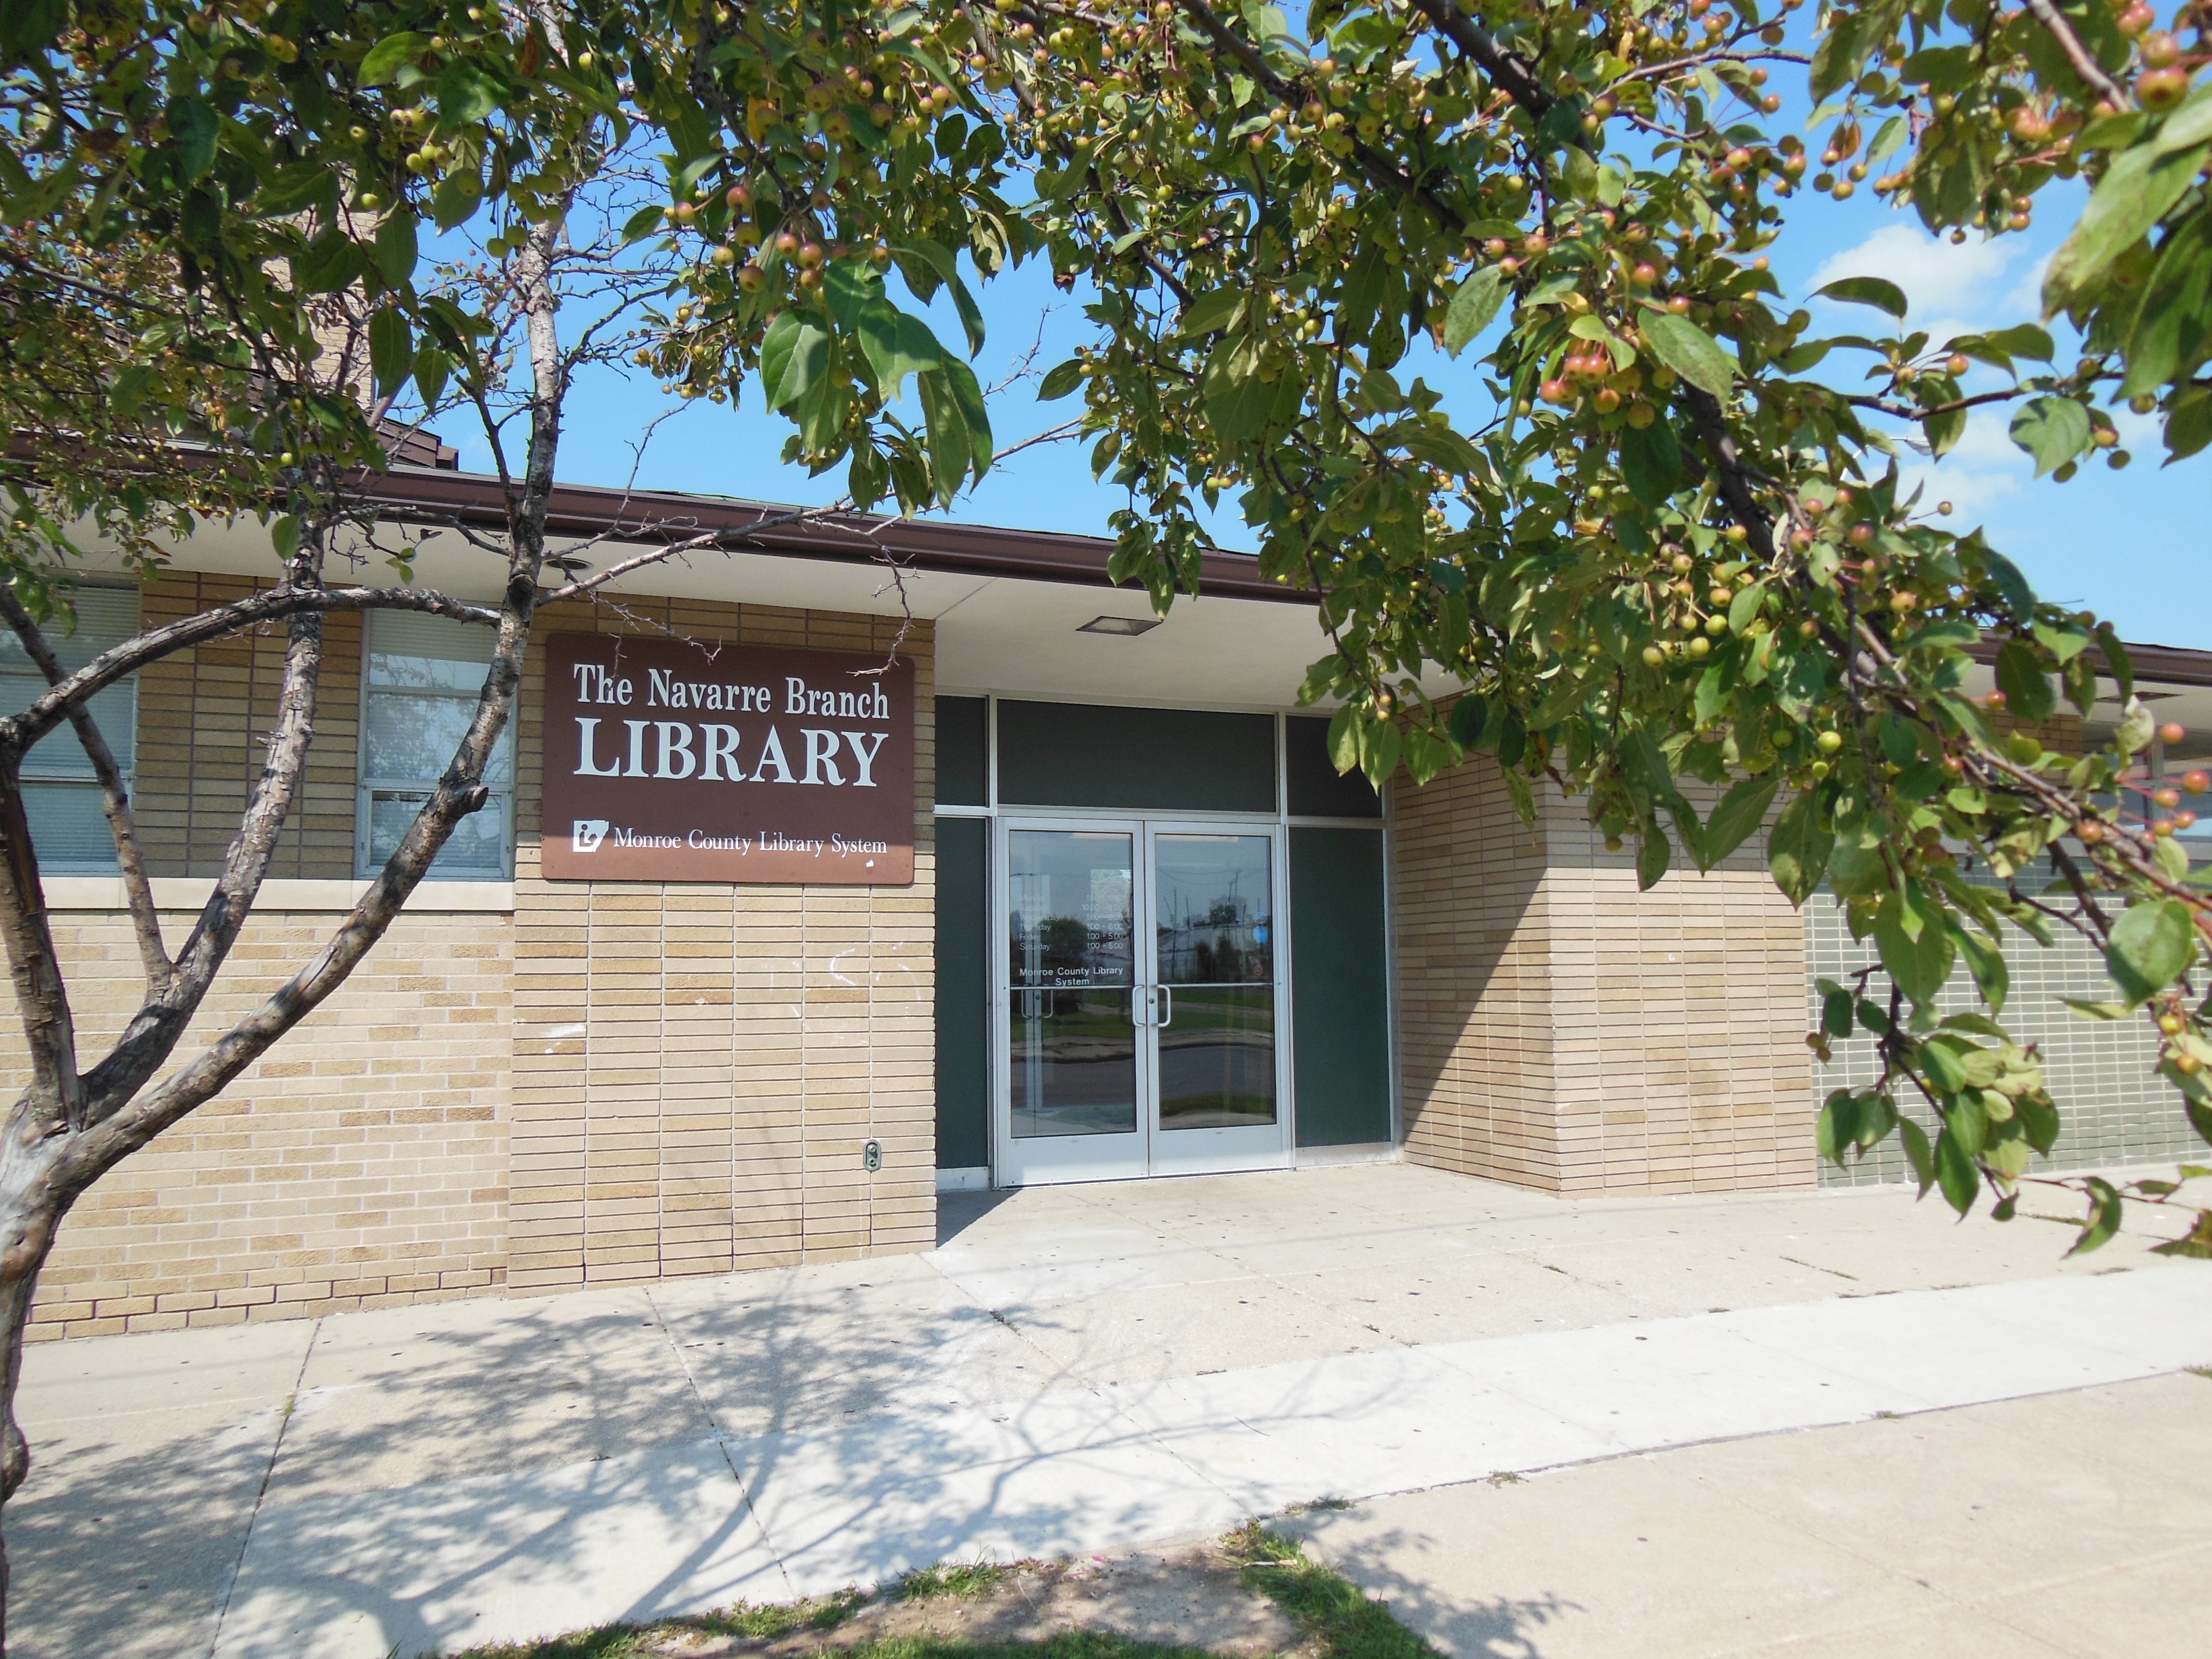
[1064, 1373]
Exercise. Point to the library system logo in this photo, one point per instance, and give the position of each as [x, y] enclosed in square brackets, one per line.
[586, 835]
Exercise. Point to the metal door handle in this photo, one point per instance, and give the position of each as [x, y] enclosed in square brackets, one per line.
[1168, 991]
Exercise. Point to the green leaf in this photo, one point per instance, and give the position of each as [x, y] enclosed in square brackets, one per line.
[1951, 632]
[2054, 431]
[2023, 340]
[1916, 956]
[1360, 299]
[395, 248]
[1985, 962]
[1473, 307]
[1237, 401]
[1744, 607]
[2098, 1010]
[1689, 351]
[793, 354]
[1381, 746]
[1468, 717]
[432, 366]
[2103, 1218]
[1836, 1129]
[1797, 849]
[1955, 1171]
[466, 95]
[1835, 1010]
[1738, 816]
[1980, 1024]
[1062, 379]
[940, 260]
[1918, 1153]
[1874, 291]
[643, 223]
[2195, 1243]
[2007, 577]
[1344, 738]
[2151, 946]
[194, 126]
[1523, 798]
[2143, 183]
[1653, 854]
[390, 350]
[1941, 1066]
[328, 263]
[390, 55]
[2027, 690]
[968, 391]
[951, 446]
[1210, 311]
[1650, 462]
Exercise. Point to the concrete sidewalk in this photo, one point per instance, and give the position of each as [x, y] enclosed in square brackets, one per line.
[2054, 1528]
[1072, 1370]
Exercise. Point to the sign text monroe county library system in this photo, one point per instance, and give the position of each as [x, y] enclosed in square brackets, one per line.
[668, 761]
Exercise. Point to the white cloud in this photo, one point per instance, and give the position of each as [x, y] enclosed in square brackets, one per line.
[1939, 279]
[1987, 441]
[2027, 296]
[1985, 471]
[1974, 496]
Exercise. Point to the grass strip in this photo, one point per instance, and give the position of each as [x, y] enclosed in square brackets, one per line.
[1332, 1610]
[1335, 1615]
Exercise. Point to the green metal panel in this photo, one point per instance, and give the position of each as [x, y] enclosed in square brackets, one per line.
[1067, 754]
[1317, 789]
[963, 744]
[1339, 987]
[963, 959]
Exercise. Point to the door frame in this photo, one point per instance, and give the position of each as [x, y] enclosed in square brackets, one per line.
[1220, 1151]
[1048, 1159]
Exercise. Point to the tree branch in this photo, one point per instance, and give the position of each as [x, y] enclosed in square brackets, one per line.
[2092, 73]
[19, 731]
[115, 799]
[1506, 70]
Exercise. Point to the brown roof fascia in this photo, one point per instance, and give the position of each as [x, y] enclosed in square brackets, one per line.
[2167, 664]
[422, 496]
[425, 496]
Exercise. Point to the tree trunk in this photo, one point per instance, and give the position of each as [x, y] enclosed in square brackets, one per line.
[28, 1217]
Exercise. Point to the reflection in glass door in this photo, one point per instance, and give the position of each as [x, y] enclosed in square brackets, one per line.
[1134, 1048]
[1214, 951]
[1071, 1051]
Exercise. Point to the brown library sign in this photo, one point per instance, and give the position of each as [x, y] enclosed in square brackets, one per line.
[671, 760]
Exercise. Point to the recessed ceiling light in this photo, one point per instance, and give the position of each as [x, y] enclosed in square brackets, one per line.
[1128, 627]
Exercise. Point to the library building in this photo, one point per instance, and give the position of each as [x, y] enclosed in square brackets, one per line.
[806, 896]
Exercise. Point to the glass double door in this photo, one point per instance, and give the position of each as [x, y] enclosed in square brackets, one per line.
[1140, 1006]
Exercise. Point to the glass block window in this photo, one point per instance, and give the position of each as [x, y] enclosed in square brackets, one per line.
[423, 675]
[2115, 1108]
[69, 826]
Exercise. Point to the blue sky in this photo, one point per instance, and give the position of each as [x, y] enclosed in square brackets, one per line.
[2123, 543]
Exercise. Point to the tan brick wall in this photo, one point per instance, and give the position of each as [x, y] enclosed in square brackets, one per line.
[362, 1163]
[204, 719]
[674, 1080]
[791, 1024]
[1561, 1030]
[1475, 1034]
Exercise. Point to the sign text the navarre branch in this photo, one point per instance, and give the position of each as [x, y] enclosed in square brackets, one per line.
[674, 761]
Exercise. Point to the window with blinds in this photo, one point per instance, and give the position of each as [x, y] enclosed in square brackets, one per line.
[69, 826]
[423, 677]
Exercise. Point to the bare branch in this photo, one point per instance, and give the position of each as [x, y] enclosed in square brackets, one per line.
[2092, 73]
[272, 605]
[115, 797]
